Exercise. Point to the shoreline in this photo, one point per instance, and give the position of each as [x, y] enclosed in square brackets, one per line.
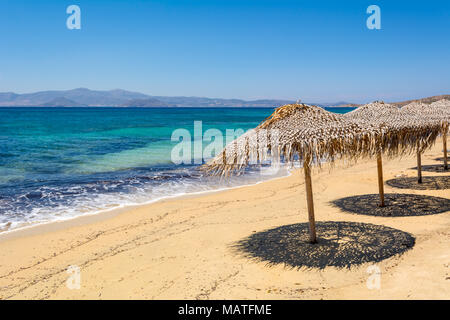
[104, 214]
[185, 248]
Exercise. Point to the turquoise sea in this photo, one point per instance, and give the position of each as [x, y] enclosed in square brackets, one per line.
[58, 163]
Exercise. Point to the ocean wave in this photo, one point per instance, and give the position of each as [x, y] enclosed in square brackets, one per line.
[33, 204]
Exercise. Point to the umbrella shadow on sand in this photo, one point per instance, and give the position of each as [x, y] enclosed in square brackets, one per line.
[433, 168]
[397, 205]
[339, 244]
[428, 183]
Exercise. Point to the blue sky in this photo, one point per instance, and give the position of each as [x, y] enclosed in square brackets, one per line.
[318, 51]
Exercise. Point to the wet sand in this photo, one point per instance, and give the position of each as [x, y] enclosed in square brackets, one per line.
[184, 248]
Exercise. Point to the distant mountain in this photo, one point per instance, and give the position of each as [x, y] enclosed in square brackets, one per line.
[121, 98]
[399, 104]
[343, 105]
[423, 100]
[149, 102]
[8, 96]
[61, 102]
[83, 96]
[214, 102]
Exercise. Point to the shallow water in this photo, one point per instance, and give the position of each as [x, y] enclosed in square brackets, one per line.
[57, 163]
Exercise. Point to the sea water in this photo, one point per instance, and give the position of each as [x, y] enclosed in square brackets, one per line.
[59, 163]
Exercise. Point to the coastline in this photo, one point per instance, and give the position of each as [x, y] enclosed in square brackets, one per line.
[104, 214]
[181, 248]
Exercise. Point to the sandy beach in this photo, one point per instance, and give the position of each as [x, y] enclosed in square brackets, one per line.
[185, 248]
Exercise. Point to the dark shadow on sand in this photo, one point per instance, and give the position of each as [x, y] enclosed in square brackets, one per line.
[428, 183]
[340, 244]
[397, 205]
[433, 168]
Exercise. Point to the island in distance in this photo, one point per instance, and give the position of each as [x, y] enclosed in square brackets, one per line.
[61, 102]
[83, 97]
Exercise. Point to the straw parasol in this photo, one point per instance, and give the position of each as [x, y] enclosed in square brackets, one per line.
[297, 131]
[441, 109]
[399, 133]
[436, 113]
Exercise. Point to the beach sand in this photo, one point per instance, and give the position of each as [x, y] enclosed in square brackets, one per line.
[183, 248]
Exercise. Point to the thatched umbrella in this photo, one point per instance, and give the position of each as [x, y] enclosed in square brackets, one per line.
[437, 113]
[298, 131]
[379, 114]
[441, 109]
[399, 133]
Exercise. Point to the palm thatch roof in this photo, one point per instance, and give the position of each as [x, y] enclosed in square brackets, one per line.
[438, 111]
[443, 104]
[400, 132]
[377, 111]
[307, 132]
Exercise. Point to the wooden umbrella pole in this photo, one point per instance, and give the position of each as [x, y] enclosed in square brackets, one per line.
[310, 202]
[419, 167]
[380, 178]
[444, 139]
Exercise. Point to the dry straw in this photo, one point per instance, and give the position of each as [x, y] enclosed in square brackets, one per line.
[400, 133]
[312, 134]
[434, 114]
[438, 111]
[301, 131]
[308, 133]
